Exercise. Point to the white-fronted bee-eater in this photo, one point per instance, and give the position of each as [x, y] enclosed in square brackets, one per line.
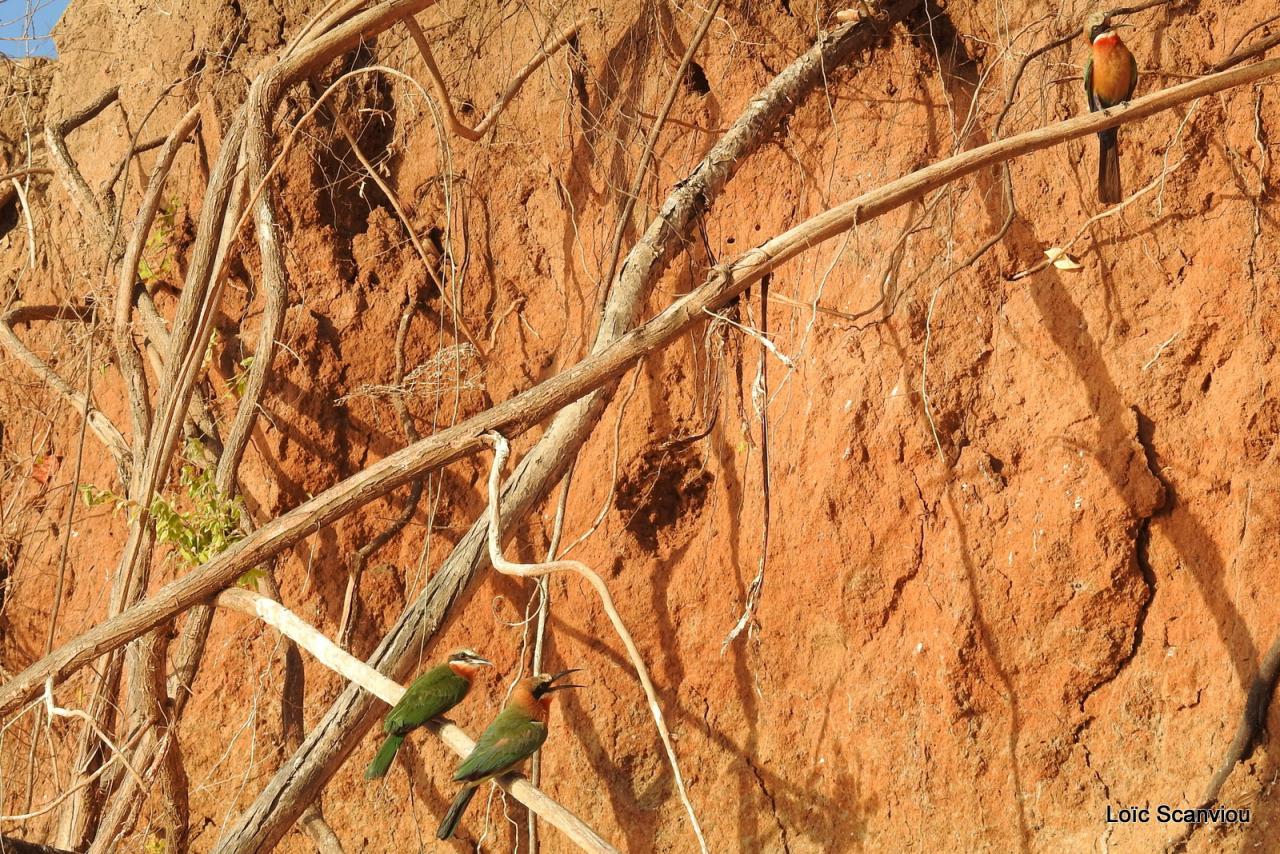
[431, 694]
[1110, 76]
[515, 735]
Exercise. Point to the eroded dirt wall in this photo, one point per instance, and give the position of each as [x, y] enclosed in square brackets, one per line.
[1000, 594]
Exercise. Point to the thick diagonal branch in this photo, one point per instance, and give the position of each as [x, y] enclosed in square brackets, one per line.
[298, 782]
[518, 413]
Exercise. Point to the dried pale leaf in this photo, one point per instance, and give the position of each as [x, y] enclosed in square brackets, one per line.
[1062, 260]
[863, 9]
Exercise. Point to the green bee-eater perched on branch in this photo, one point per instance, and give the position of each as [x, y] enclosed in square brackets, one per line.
[515, 735]
[433, 693]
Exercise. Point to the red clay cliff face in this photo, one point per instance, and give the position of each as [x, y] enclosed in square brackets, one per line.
[990, 610]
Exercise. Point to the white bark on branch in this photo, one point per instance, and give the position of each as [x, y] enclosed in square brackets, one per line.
[502, 450]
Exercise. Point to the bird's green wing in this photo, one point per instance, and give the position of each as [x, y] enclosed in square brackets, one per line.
[433, 693]
[1133, 76]
[1094, 106]
[508, 741]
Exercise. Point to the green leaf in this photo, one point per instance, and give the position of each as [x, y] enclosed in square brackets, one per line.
[93, 496]
[241, 379]
[251, 578]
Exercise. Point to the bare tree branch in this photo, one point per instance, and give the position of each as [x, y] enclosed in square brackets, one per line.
[127, 356]
[64, 167]
[351, 715]
[501, 450]
[456, 127]
[102, 426]
[520, 412]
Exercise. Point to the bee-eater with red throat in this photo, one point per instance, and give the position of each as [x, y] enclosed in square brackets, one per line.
[1110, 76]
[433, 693]
[515, 735]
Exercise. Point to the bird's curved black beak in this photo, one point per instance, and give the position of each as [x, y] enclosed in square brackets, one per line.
[563, 673]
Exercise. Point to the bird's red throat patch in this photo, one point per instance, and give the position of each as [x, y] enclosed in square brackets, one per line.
[466, 671]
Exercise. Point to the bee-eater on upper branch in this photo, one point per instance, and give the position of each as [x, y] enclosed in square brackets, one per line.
[1110, 76]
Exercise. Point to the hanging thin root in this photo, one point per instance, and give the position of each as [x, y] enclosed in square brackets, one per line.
[502, 449]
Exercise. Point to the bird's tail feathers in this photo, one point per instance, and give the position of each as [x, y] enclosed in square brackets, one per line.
[378, 767]
[450, 821]
[1109, 192]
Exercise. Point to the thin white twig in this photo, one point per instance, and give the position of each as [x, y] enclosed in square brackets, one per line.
[924, 371]
[1165, 169]
[756, 334]
[613, 471]
[54, 710]
[540, 632]
[1158, 181]
[501, 450]
[1161, 348]
[26, 216]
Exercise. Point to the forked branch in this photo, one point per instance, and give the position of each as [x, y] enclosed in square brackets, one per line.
[456, 127]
